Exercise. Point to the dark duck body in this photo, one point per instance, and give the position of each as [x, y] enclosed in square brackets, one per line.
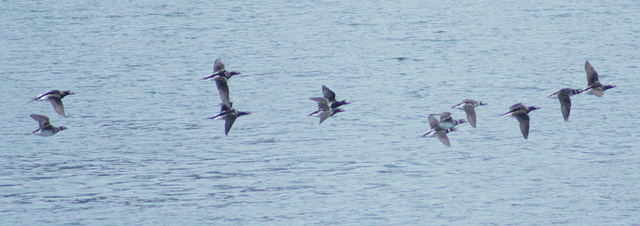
[593, 81]
[55, 97]
[45, 128]
[521, 113]
[469, 107]
[220, 71]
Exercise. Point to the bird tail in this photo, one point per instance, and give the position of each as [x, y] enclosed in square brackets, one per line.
[553, 95]
[214, 117]
[428, 133]
[454, 106]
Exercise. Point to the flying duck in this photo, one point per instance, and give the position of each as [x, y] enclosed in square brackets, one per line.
[45, 128]
[521, 113]
[469, 107]
[593, 82]
[55, 97]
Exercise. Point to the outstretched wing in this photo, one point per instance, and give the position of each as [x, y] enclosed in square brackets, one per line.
[565, 105]
[445, 116]
[323, 116]
[442, 136]
[514, 108]
[229, 120]
[217, 65]
[433, 121]
[223, 89]
[42, 120]
[470, 110]
[56, 102]
[330, 95]
[323, 103]
[592, 74]
[523, 119]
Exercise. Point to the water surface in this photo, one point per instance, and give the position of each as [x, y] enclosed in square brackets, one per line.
[140, 151]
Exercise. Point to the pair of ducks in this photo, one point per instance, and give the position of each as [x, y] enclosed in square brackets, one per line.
[447, 123]
[593, 84]
[324, 109]
[519, 111]
[55, 98]
[227, 112]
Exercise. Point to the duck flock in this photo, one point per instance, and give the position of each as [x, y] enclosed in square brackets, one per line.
[329, 106]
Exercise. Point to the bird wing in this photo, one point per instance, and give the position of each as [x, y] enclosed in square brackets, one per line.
[442, 136]
[330, 95]
[223, 89]
[433, 121]
[518, 106]
[444, 116]
[592, 74]
[523, 119]
[323, 103]
[470, 101]
[218, 65]
[470, 110]
[565, 105]
[42, 120]
[56, 102]
[229, 120]
[324, 115]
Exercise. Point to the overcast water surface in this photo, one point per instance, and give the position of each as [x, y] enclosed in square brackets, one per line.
[139, 149]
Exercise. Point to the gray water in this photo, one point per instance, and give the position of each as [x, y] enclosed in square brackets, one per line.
[140, 151]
